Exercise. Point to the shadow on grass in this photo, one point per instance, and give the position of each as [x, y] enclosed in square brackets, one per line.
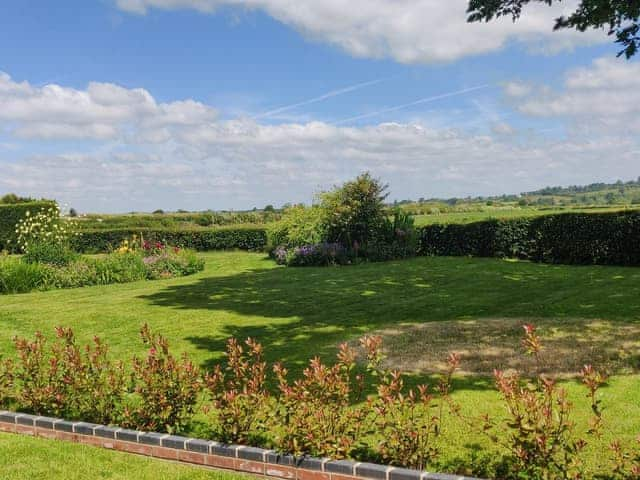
[297, 313]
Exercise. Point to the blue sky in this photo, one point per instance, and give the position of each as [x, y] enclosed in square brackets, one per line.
[121, 105]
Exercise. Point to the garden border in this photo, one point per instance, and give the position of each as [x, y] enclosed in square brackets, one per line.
[256, 461]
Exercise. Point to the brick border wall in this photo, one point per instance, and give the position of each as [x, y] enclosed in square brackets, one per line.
[239, 458]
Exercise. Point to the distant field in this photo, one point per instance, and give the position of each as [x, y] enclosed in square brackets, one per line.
[506, 213]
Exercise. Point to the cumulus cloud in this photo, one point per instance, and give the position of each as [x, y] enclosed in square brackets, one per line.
[409, 31]
[179, 155]
[604, 95]
[102, 111]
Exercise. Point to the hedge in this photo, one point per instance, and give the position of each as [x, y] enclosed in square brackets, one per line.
[568, 238]
[10, 214]
[245, 238]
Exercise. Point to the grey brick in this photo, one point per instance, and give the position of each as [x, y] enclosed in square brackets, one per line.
[128, 435]
[344, 467]
[24, 419]
[443, 476]
[251, 453]
[277, 458]
[8, 417]
[310, 463]
[151, 438]
[224, 450]
[84, 428]
[196, 445]
[174, 441]
[63, 426]
[106, 432]
[372, 470]
[404, 474]
[46, 422]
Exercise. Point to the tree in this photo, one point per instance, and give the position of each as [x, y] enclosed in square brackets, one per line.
[355, 211]
[620, 17]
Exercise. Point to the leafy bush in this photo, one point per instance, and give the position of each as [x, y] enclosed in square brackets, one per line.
[239, 394]
[21, 277]
[397, 238]
[354, 212]
[244, 238]
[10, 215]
[66, 380]
[320, 255]
[166, 388]
[298, 226]
[50, 253]
[569, 238]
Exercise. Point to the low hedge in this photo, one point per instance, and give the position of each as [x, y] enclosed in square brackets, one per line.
[246, 238]
[568, 238]
[10, 214]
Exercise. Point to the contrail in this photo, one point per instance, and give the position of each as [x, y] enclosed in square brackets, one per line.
[410, 104]
[332, 93]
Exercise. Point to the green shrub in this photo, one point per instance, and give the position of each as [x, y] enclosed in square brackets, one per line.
[569, 238]
[20, 277]
[298, 226]
[49, 253]
[10, 215]
[244, 238]
[172, 263]
[355, 212]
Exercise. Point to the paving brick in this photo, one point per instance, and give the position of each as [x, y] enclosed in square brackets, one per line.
[84, 428]
[166, 453]
[127, 435]
[174, 441]
[250, 466]
[63, 426]
[191, 457]
[344, 467]
[371, 470]
[24, 419]
[224, 450]
[46, 422]
[280, 471]
[404, 474]
[251, 453]
[200, 446]
[312, 475]
[106, 432]
[151, 438]
[220, 462]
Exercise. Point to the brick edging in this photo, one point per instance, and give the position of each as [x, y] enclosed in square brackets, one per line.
[257, 461]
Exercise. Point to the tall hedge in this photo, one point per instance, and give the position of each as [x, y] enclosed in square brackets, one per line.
[569, 238]
[245, 238]
[10, 214]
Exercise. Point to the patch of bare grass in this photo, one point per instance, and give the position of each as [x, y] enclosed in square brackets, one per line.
[489, 343]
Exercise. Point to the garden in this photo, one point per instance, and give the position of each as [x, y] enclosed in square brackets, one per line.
[395, 344]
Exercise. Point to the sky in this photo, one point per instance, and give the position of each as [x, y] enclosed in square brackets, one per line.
[135, 105]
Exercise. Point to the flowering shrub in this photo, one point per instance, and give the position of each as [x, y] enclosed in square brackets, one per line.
[239, 393]
[44, 226]
[166, 388]
[323, 254]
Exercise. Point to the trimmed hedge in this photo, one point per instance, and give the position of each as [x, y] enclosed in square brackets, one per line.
[246, 238]
[569, 238]
[10, 214]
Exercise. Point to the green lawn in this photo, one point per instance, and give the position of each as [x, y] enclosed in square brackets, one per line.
[297, 313]
[28, 458]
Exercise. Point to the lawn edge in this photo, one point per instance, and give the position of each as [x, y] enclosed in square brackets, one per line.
[205, 453]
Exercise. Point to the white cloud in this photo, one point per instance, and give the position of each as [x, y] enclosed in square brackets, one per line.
[602, 97]
[409, 31]
[102, 111]
[178, 155]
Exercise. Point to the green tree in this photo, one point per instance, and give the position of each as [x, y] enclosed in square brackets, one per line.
[619, 17]
[355, 211]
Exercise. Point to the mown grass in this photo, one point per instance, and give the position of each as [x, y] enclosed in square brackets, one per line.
[297, 313]
[28, 458]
